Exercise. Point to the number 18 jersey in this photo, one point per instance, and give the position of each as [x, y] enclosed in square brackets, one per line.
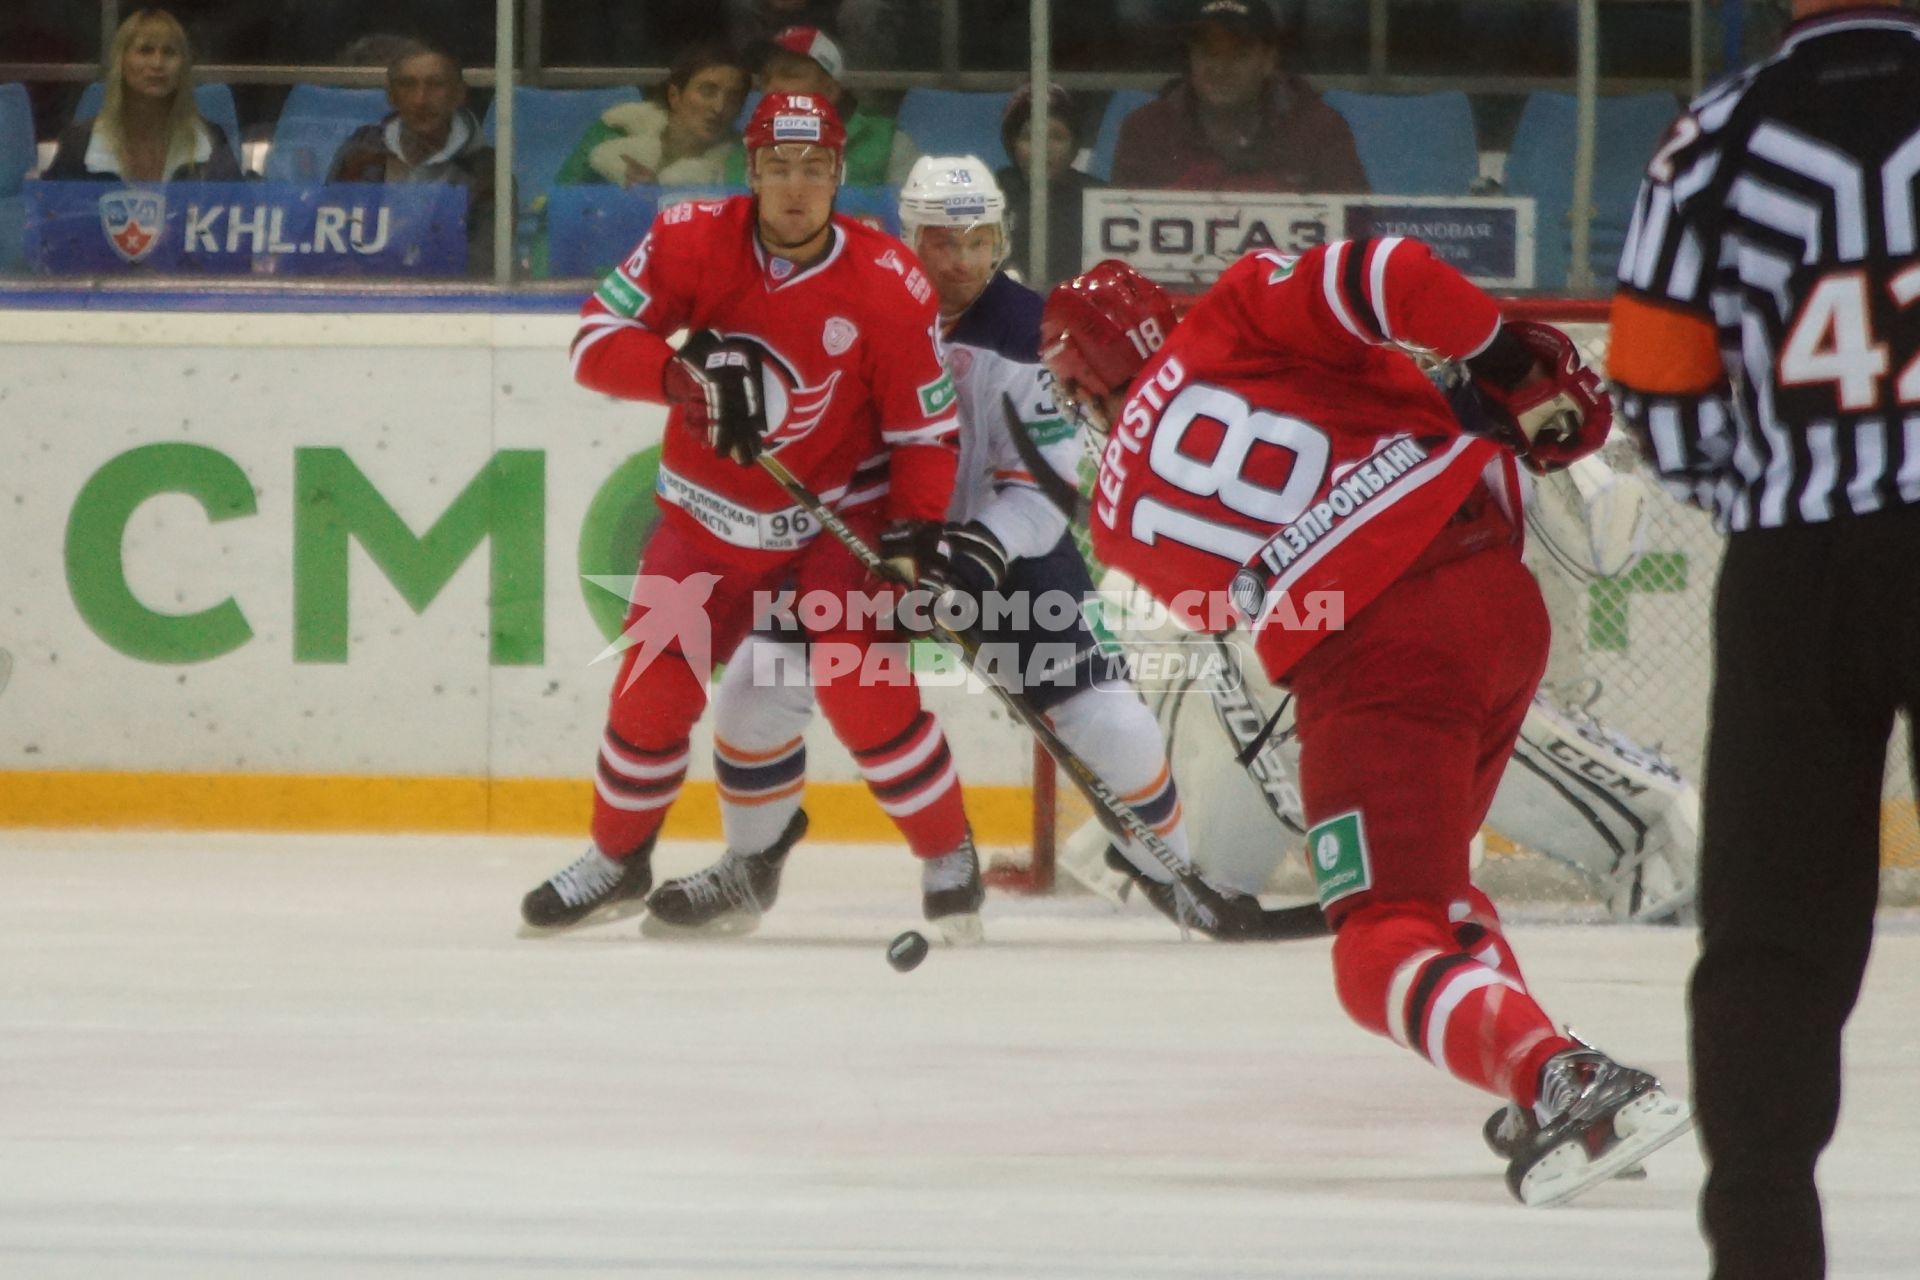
[1283, 454]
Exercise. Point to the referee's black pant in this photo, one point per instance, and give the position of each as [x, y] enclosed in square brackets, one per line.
[1817, 642]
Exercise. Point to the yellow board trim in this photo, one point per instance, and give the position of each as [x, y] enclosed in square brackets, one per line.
[1899, 837]
[1001, 815]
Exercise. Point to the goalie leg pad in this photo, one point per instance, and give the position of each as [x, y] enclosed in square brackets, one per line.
[1114, 732]
[1617, 813]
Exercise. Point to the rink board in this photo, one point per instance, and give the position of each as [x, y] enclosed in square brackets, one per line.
[326, 571]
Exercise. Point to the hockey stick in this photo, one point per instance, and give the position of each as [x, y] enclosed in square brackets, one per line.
[1115, 814]
[1055, 486]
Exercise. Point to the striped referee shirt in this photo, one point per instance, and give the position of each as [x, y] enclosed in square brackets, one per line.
[1765, 337]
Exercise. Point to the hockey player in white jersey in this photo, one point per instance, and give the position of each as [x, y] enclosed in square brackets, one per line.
[1007, 536]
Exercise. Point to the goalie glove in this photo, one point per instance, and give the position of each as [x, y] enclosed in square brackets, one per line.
[966, 558]
[715, 383]
[1541, 400]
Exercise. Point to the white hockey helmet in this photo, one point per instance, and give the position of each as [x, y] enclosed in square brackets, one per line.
[953, 191]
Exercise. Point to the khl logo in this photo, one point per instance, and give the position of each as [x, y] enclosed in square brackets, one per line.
[133, 220]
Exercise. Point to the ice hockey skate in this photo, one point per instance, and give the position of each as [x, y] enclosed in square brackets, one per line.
[1513, 1125]
[593, 884]
[726, 899]
[1595, 1119]
[1225, 915]
[951, 893]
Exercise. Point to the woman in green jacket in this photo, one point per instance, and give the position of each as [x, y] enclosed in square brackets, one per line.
[681, 135]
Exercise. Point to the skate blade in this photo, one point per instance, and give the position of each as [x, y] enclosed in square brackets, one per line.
[611, 913]
[963, 930]
[1642, 1127]
[735, 924]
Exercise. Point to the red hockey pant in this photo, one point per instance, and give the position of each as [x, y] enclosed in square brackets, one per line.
[873, 705]
[1406, 722]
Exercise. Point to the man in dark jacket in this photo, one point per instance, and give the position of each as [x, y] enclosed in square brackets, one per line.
[430, 136]
[1236, 121]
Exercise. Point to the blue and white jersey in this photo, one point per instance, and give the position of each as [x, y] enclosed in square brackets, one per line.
[993, 353]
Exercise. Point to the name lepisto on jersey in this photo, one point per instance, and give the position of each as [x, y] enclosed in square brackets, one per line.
[1136, 422]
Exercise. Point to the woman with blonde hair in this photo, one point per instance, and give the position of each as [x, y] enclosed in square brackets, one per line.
[148, 129]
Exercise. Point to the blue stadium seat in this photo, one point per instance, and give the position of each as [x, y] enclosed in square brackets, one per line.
[548, 125]
[1122, 104]
[362, 106]
[1412, 144]
[313, 124]
[18, 156]
[13, 234]
[215, 102]
[1628, 130]
[948, 122]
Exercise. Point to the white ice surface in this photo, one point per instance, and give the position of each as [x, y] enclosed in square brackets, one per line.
[241, 1056]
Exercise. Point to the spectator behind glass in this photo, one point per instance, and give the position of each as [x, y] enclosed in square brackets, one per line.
[429, 136]
[1235, 121]
[806, 60]
[752, 23]
[1067, 187]
[879, 32]
[682, 135]
[148, 129]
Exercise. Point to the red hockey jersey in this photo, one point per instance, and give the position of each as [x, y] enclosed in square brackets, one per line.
[1284, 428]
[859, 406]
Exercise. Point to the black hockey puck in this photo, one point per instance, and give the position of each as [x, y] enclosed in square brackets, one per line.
[906, 952]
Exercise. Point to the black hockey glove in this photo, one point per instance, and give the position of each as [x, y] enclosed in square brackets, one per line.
[715, 382]
[967, 558]
[911, 547]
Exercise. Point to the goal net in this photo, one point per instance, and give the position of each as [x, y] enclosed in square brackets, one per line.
[1632, 651]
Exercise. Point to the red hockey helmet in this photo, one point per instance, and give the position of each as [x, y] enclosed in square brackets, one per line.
[799, 119]
[1101, 327]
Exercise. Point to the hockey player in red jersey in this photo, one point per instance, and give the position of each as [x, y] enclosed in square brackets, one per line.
[811, 335]
[1280, 458]
[1008, 539]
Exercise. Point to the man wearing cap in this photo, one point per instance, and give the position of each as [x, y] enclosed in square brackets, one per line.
[811, 339]
[1235, 121]
[807, 60]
